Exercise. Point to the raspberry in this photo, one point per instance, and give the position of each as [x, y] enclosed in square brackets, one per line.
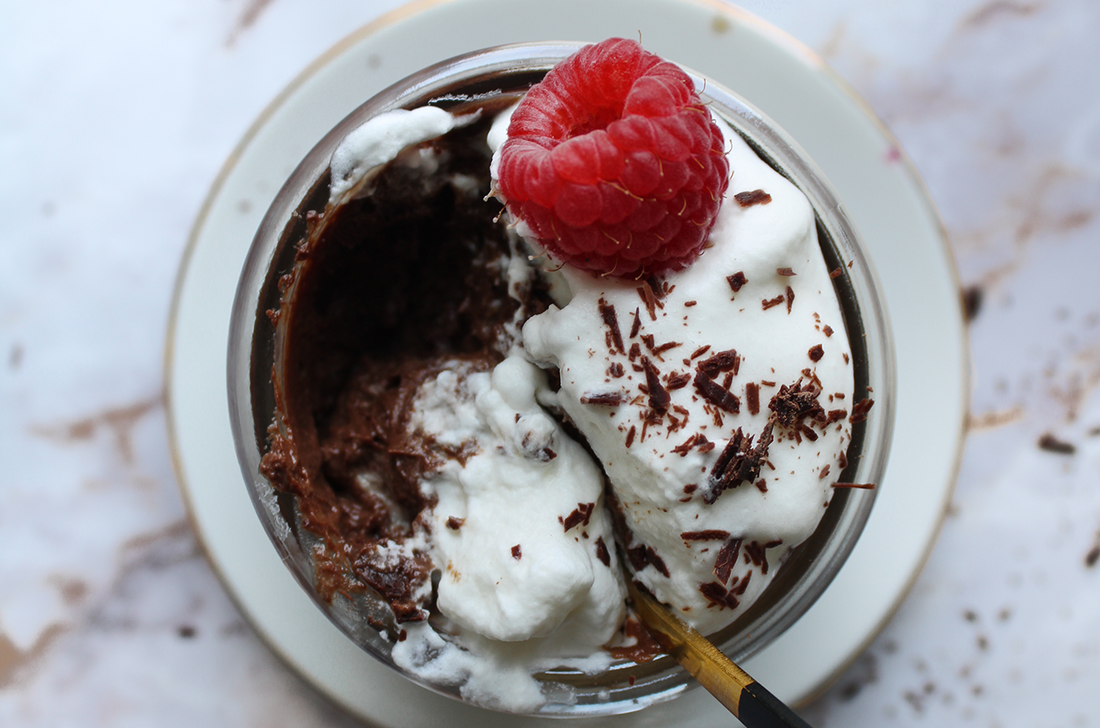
[614, 163]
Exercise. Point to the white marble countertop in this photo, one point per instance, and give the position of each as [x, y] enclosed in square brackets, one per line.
[115, 118]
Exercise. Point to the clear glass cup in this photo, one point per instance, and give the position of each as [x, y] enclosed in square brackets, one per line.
[255, 381]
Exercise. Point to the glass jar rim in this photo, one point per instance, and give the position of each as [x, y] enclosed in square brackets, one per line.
[461, 79]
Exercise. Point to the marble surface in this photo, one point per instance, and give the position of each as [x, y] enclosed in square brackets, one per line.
[114, 121]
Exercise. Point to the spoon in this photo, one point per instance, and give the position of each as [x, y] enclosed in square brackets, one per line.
[735, 689]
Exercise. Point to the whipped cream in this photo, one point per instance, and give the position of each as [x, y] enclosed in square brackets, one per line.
[659, 377]
[781, 327]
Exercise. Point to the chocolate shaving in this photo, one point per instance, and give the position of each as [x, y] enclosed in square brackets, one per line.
[718, 596]
[824, 473]
[609, 399]
[863, 486]
[455, 523]
[635, 351]
[616, 370]
[642, 556]
[789, 298]
[836, 272]
[713, 392]
[828, 331]
[752, 397]
[637, 325]
[791, 405]
[677, 380]
[723, 361]
[611, 319]
[739, 462]
[645, 291]
[602, 553]
[659, 398]
[773, 302]
[727, 559]
[517, 552]
[816, 352]
[685, 447]
[709, 535]
[737, 280]
[787, 272]
[757, 553]
[860, 409]
[754, 197]
[580, 515]
[700, 351]
[740, 588]
[630, 436]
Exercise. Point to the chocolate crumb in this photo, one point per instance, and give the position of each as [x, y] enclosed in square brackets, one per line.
[737, 280]
[1092, 557]
[836, 272]
[762, 485]
[789, 298]
[972, 301]
[824, 473]
[517, 552]
[1050, 443]
[454, 523]
[630, 436]
[828, 331]
[689, 304]
[816, 353]
[788, 272]
[616, 370]
[755, 197]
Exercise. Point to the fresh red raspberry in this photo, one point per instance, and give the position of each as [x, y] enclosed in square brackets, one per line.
[614, 162]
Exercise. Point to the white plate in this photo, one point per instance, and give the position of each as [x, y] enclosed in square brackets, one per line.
[884, 198]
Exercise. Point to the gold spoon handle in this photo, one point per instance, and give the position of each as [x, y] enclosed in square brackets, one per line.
[744, 697]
